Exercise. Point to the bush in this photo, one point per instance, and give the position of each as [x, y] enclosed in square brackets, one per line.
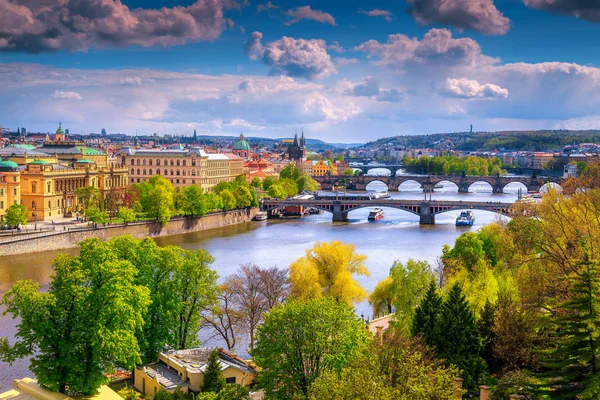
[518, 382]
[233, 391]
[129, 393]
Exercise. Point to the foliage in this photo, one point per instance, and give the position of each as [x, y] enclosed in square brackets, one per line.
[126, 214]
[85, 324]
[300, 340]
[382, 297]
[256, 183]
[518, 382]
[327, 270]
[96, 215]
[233, 391]
[194, 202]
[129, 393]
[213, 378]
[452, 165]
[427, 314]
[88, 196]
[291, 182]
[157, 198]
[290, 171]
[16, 214]
[458, 341]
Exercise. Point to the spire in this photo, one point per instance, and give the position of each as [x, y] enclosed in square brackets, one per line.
[295, 144]
[302, 140]
[195, 137]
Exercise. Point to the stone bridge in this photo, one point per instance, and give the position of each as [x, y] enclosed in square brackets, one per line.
[365, 168]
[426, 210]
[498, 183]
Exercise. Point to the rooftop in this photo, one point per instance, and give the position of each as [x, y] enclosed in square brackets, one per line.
[165, 377]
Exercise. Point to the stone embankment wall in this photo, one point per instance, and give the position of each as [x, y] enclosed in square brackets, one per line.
[68, 239]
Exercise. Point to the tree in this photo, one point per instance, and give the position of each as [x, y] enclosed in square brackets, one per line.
[85, 324]
[300, 340]
[194, 203]
[126, 214]
[228, 198]
[290, 171]
[269, 180]
[223, 319]
[381, 298]
[157, 198]
[197, 289]
[427, 314]
[486, 325]
[213, 378]
[327, 270]
[256, 183]
[274, 285]
[16, 214]
[276, 191]
[458, 341]
[88, 196]
[94, 214]
[233, 391]
[307, 183]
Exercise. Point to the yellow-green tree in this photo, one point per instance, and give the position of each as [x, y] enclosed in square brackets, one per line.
[327, 270]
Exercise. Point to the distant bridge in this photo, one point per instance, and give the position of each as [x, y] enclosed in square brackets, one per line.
[365, 168]
[498, 183]
[426, 210]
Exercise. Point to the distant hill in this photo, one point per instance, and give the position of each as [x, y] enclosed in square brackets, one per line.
[312, 144]
[501, 140]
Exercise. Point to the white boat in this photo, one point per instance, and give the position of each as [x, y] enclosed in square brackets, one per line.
[379, 195]
[261, 216]
[376, 214]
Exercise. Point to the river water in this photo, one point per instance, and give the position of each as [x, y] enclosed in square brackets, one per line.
[279, 242]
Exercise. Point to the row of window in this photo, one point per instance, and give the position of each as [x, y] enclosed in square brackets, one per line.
[34, 204]
[166, 172]
[2, 204]
[179, 163]
[183, 181]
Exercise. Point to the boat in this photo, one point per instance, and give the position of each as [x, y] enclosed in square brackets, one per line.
[376, 214]
[379, 195]
[465, 218]
[314, 210]
[527, 199]
[261, 216]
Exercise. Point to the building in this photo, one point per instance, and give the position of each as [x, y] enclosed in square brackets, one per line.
[182, 167]
[241, 148]
[259, 168]
[185, 369]
[10, 185]
[29, 389]
[297, 150]
[321, 168]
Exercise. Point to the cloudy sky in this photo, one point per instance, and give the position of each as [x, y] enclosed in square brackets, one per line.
[347, 71]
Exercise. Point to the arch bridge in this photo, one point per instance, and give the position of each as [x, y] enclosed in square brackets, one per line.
[533, 183]
[426, 210]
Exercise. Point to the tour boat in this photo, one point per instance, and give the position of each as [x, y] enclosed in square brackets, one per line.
[527, 199]
[465, 218]
[260, 216]
[379, 195]
[376, 214]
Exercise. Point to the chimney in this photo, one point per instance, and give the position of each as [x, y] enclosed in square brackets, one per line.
[458, 382]
[485, 392]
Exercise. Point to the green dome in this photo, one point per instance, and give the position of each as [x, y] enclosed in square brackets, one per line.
[241, 144]
[39, 162]
[7, 166]
[84, 161]
[60, 130]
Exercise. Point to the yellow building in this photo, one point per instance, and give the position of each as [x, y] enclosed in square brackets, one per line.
[49, 190]
[184, 369]
[10, 185]
[321, 168]
[183, 167]
[29, 389]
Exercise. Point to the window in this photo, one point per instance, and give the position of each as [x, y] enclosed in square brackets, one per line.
[144, 161]
[1, 205]
[132, 180]
[49, 205]
[144, 172]
[177, 180]
[132, 171]
[49, 187]
[178, 163]
[33, 205]
[171, 163]
[178, 173]
[33, 187]
[172, 173]
[138, 171]
[15, 192]
[166, 172]
[184, 163]
[138, 161]
[14, 178]
[138, 180]
[157, 171]
[230, 380]
[193, 172]
[157, 162]
[132, 161]
[150, 171]
[150, 162]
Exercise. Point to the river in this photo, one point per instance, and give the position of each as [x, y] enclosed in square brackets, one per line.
[279, 242]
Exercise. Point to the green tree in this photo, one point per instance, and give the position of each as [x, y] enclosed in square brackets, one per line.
[213, 378]
[486, 325]
[96, 215]
[300, 340]
[16, 214]
[290, 171]
[427, 314]
[276, 191]
[85, 324]
[256, 183]
[307, 183]
[126, 214]
[228, 199]
[233, 391]
[269, 180]
[458, 341]
[88, 196]
[194, 202]
[157, 198]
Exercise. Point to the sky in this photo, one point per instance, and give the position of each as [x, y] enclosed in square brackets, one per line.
[342, 71]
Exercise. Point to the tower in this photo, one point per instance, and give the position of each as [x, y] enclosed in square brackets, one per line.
[195, 137]
[297, 151]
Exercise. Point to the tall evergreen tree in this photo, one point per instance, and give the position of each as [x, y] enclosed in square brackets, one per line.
[458, 340]
[485, 325]
[427, 316]
[578, 323]
[213, 379]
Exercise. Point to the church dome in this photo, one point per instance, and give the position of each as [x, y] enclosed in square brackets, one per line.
[241, 144]
[60, 130]
[8, 166]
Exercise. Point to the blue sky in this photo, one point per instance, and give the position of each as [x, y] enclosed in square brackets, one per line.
[269, 68]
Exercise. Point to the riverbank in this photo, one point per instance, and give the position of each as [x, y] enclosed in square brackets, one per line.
[60, 240]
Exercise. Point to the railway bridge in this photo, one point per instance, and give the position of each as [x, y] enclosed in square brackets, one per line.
[498, 183]
[426, 210]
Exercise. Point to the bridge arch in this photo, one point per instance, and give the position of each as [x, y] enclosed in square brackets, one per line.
[415, 210]
[550, 185]
[480, 187]
[379, 171]
[514, 187]
[446, 186]
[409, 185]
[377, 185]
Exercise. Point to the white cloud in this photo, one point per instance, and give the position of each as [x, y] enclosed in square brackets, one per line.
[292, 57]
[369, 87]
[387, 15]
[305, 12]
[60, 95]
[464, 88]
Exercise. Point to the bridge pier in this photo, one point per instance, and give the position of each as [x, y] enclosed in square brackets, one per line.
[338, 214]
[463, 187]
[497, 189]
[426, 217]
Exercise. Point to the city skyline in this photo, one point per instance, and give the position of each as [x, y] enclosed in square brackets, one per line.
[346, 74]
